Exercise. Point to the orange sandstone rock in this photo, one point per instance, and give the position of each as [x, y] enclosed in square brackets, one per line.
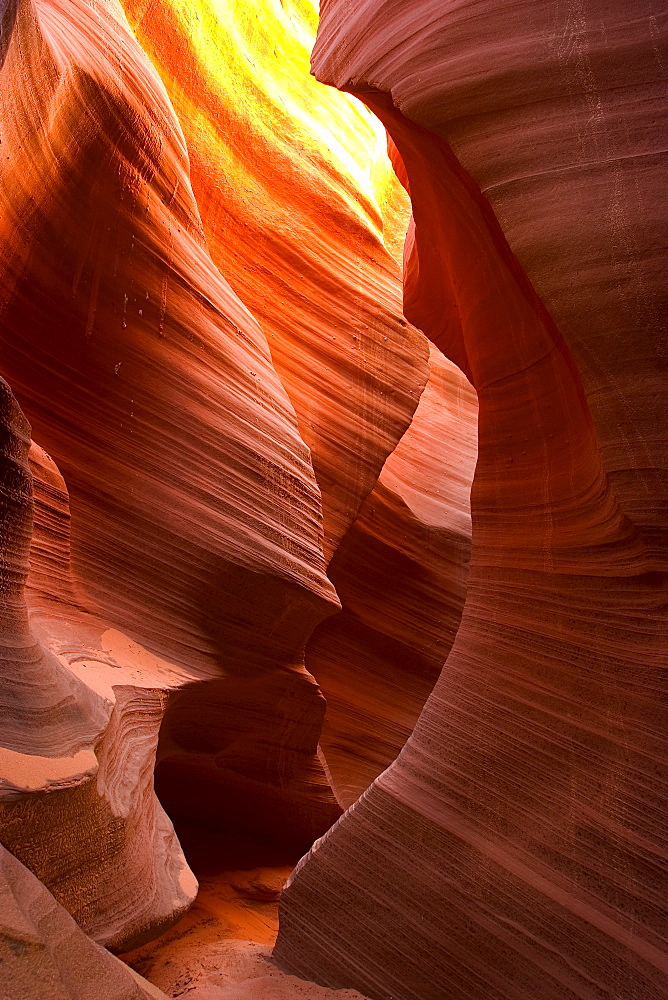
[516, 848]
[296, 197]
[401, 575]
[196, 482]
[196, 524]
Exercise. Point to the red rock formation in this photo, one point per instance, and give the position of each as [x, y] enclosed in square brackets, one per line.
[156, 333]
[179, 466]
[516, 848]
[46, 956]
[44, 708]
[296, 195]
[214, 469]
[290, 186]
[400, 573]
[196, 521]
[81, 710]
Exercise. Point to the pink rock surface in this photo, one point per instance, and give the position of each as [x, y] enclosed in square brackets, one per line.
[516, 848]
[400, 573]
[216, 487]
[81, 710]
[44, 955]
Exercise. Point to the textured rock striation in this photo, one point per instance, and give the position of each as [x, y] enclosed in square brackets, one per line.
[192, 474]
[400, 573]
[196, 524]
[296, 195]
[516, 848]
[81, 710]
[233, 478]
[46, 956]
[297, 204]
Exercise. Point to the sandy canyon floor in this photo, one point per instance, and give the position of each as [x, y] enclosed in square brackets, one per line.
[221, 948]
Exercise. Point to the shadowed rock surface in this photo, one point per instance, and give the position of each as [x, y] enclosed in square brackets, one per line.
[45, 956]
[240, 528]
[516, 847]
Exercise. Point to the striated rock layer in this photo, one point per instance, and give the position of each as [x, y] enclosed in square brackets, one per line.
[148, 334]
[196, 519]
[299, 205]
[296, 196]
[81, 709]
[517, 847]
[400, 573]
[45, 956]
[200, 472]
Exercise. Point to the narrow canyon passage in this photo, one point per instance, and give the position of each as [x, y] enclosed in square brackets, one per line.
[239, 884]
[332, 500]
[202, 471]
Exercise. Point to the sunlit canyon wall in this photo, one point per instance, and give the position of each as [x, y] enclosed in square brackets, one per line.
[517, 847]
[210, 396]
[236, 508]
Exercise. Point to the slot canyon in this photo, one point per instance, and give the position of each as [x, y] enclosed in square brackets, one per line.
[333, 508]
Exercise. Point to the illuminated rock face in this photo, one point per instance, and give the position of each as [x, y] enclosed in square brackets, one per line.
[294, 196]
[201, 321]
[45, 956]
[295, 193]
[516, 848]
[401, 575]
[201, 470]
[196, 518]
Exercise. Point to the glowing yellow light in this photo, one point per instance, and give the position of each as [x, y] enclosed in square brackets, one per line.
[238, 74]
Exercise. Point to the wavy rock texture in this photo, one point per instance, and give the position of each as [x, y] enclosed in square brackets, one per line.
[349, 363]
[45, 956]
[204, 480]
[81, 712]
[296, 197]
[401, 575]
[196, 520]
[296, 194]
[44, 708]
[516, 849]
[159, 339]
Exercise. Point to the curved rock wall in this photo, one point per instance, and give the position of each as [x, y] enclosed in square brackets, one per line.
[135, 322]
[401, 574]
[234, 461]
[296, 194]
[299, 205]
[200, 471]
[80, 724]
[196, 522]
[516, 847]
